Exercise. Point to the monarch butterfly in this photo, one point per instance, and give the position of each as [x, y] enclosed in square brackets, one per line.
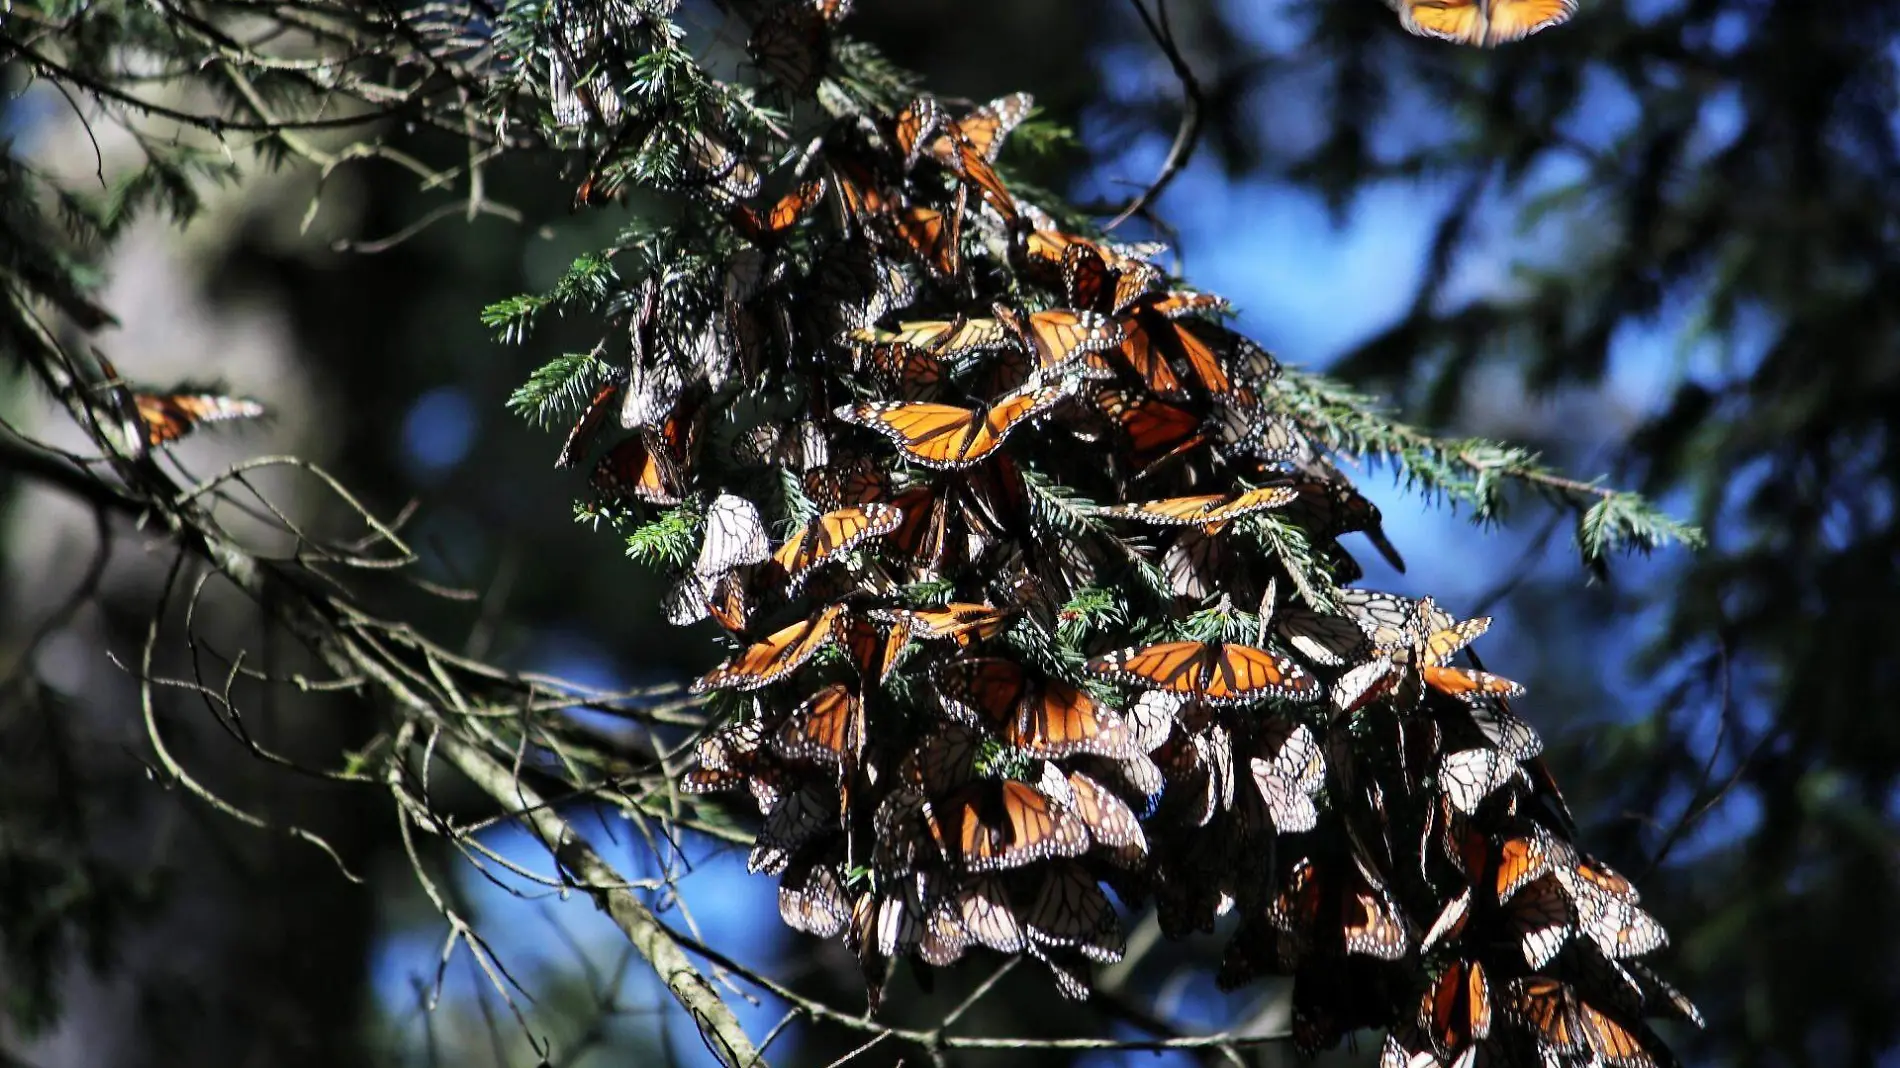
[1329, 640]
[1471, 775]
[798, 818]
[765, 227]
[1456, 1010]
[798, 444]
[1315, 901]
[934, 237]
[947, 338]
[875, 655]
[827, 728]
[734, 536]
[1047, 250]
[1091, 282]
[1156, 430]
[914, 126]
[969, 145]
[1247, 432]
[830, 535]
[942, 760]
[946, 436]
[170, 416]
[1211, 513]
[1427, 641]
[715, 166]
[1614, 922]
[1655, 991]
[1069, 909]
[994, 824]
[851, 288]
[780, 654]
[1549, 1009]
[1290, 776]
[863, 196]
[1541, 918]
[1501, 728]
[1041, 717]
[1214, 672]
[1435, 648]
[984, 130]
[1067, 967]
[581, 435]
[1329, 508]
[727, 598]
[912, 373]
[1152, 718]
[846, 482]
[645, 467]
[961, 622]
[1481, 22]
[1522, 859]
[1112, 824]
[1064, 340]
[987, 916]
[811, 895]
[654, 388]
[789, 44]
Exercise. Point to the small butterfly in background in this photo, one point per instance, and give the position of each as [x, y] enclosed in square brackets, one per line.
[1484, 23]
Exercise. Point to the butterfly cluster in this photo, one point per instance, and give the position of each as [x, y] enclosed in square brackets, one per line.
[1037, 594]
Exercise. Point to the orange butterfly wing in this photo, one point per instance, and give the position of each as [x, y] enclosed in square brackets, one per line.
[1146, 359]
[1242, 673]
[828, 728]
[832, 534]
[991, 825]
[1177, 667]
[784, 652]
[1514, 20]
[168, 417]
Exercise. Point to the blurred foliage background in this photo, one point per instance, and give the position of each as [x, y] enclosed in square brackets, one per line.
[1660, 243]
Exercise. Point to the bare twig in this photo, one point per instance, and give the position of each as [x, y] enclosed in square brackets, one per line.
[1187, 136]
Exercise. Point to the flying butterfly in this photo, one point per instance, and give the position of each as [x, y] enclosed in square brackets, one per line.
[170, 416]
[1040, 716]
[946, 436]
[775, 658]
[1213, 672]
[830, 535]
[1481, 22]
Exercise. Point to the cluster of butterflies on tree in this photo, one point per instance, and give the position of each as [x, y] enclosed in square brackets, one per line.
[1036, 594]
